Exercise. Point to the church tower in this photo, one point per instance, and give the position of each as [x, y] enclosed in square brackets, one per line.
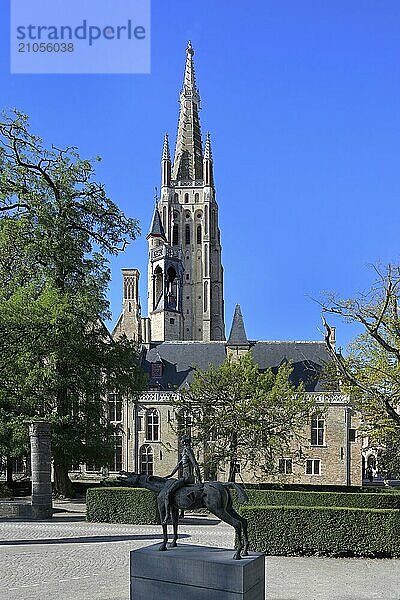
[185, 273]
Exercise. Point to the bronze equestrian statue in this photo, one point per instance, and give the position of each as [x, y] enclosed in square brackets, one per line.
[183, 494]
[190, 473]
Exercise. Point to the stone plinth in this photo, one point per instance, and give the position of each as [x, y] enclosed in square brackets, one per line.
[196, 573]
[42, 504]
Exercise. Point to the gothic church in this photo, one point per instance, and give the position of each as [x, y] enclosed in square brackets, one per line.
[185, 326]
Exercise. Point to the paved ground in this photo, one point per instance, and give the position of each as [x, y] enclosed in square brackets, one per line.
[69, 559]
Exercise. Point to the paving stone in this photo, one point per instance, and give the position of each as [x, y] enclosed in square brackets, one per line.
[69, 559]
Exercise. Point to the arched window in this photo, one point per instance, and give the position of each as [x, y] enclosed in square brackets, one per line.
[185, 423]
[146, 460]
[187, 235]
[206, 260]
[205, 296]
[152, 425]
[186, 198]
[164, 212]
[199, 234]
[158, 286]
[196, 197]
[176, 197]
[172, 289]
[175, 235]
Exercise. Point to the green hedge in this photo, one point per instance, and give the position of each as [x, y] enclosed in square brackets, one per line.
[288, 530]
[311, 487]
[317, 498]
[4, 491]
[121, 505]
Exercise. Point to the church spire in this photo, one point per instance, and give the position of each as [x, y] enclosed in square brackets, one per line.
[188, 161]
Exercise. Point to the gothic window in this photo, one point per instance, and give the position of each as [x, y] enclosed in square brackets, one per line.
[172, 289]
[206, 221]
[187, 235]
[317, 430]
[114, 408]
[185, 423]
[205, 296]
[199, 234]
[206, 260]
[164, 212]
[116, 464]
[146, 460]
[158, 285]
[186, 198]
[152, 425]
[175, 235]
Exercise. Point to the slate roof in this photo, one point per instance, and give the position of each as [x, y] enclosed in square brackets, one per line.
[179, 360]
[156, 228]
[237, 336]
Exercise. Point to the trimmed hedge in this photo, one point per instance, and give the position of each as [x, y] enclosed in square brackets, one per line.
[317, 498]
[4, 491]
[311, 487]
[122, 505]
[289, 530]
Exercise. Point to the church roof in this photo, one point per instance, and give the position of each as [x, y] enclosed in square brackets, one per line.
[179, 360]
[237, 336]
[156, 228]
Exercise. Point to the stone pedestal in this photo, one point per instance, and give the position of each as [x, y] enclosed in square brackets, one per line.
[196, 573]
[42, 504]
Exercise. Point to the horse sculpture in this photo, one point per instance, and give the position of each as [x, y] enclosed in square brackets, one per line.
[213, 495]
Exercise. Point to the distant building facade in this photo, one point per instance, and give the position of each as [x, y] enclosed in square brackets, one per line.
[184, 326]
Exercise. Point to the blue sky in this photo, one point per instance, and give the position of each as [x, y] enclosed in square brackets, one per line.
[302, 101]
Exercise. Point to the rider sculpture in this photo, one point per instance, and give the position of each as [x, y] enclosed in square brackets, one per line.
[190, 473]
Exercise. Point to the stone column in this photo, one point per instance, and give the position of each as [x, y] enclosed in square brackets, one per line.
[42, 505]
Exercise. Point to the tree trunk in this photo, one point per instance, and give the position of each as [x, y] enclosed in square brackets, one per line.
[62, 482]
[232, 470]
[9, 472]
[233, 455]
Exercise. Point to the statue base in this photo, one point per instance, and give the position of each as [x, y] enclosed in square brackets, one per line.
[190, 572]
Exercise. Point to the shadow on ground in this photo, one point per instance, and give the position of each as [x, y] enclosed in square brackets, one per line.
[86, 539]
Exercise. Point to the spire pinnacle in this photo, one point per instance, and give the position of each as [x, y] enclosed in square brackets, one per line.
[165, 151]
[237, 336]
[189, 80]
[207, 149]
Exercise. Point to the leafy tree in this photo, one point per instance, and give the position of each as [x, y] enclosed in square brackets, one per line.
[241, 413]
[57, 360]
[370, 371]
